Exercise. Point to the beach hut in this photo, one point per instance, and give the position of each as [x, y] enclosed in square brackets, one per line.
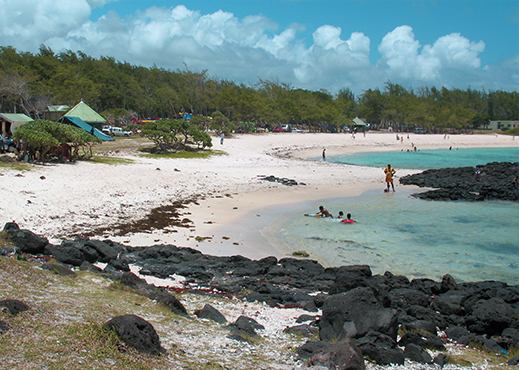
[10, 121]
[359, 124]
[86, 114]
[55, 112]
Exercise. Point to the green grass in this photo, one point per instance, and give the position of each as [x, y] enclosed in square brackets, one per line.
[512, 131]
[110, 160]
[7, 164]
[185, 154]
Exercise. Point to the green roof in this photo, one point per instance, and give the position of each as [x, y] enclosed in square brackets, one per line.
[87, 114]
[15, 117]
[358, 122]
[58, 108]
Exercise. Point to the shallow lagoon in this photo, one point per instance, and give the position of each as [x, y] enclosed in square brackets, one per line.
[432, 158]
[416, 238]
[472, 241]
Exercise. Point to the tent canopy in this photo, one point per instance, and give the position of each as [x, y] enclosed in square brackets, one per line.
[78, 122]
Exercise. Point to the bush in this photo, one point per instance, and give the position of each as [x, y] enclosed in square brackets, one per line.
[168, 134]
[43, 139]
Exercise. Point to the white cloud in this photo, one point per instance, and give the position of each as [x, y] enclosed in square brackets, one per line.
[242, 49]
[457, 51]
[98, 3]
[26, 24]
[403, 59]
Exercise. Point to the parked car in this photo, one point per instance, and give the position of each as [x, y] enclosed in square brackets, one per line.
[107, 129]
[278, 129]
[295, 129]
[115, 131]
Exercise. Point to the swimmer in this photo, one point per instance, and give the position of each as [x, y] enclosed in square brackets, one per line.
[348, 219]
[324, 212]
[341, 214]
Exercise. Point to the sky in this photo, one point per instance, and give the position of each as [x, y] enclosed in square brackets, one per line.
[307, 44]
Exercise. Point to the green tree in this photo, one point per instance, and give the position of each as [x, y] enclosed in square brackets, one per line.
[221, 124]
[170, 134]
[42, 137]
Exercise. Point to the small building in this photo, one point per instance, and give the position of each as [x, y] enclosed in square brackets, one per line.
[10, 121]
[503, 125]
[55, 112]
[359, 125]
[87, 114]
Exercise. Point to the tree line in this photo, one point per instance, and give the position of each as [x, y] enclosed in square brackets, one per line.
[31, 82]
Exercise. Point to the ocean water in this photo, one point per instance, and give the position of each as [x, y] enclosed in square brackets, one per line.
[412, 237]
[472, 241]
[429, 159]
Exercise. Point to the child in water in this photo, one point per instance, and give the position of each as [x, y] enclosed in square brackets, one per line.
[324, 212]
[348, 219]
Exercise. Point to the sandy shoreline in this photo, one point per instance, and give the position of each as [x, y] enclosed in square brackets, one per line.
[57, 200]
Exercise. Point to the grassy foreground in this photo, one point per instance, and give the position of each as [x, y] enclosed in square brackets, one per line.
[64, 327]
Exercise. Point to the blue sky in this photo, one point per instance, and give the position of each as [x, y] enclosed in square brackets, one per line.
[496, 22]
[310, 44]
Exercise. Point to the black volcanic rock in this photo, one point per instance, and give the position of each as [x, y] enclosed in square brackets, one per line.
[137, 333]
[25, 240]
[494, 182]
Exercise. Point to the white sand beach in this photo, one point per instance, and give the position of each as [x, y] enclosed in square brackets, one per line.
[57, 200]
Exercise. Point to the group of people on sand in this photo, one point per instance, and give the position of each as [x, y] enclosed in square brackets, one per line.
[323, 212]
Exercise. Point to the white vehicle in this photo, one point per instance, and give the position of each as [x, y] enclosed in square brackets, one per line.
[115, 131]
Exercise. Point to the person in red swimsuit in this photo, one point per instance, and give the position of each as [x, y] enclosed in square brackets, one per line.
[348, 219]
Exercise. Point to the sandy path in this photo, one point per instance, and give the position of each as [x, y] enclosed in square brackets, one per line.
[59, 199]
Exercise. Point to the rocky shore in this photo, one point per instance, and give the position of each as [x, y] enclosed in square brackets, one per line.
[352, 313]
[493, 181]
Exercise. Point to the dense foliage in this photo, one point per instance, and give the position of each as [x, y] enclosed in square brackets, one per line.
[174, 134]
[43, 140]
[30, 82]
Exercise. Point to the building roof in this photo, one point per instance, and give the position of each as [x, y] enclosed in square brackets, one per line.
[358, 122]
[15, 117]
[87, 114]
[58, 108]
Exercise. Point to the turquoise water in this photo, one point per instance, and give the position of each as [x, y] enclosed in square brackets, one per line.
[429, 159]
[412, 237]
[472, 241]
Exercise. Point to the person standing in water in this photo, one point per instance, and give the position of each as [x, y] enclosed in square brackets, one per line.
[389, 176]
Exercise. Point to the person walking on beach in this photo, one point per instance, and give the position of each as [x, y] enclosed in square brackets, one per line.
[221, 138]
[389, 177]
[324, 154]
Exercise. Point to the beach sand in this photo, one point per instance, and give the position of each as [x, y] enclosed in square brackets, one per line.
[233, 204]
